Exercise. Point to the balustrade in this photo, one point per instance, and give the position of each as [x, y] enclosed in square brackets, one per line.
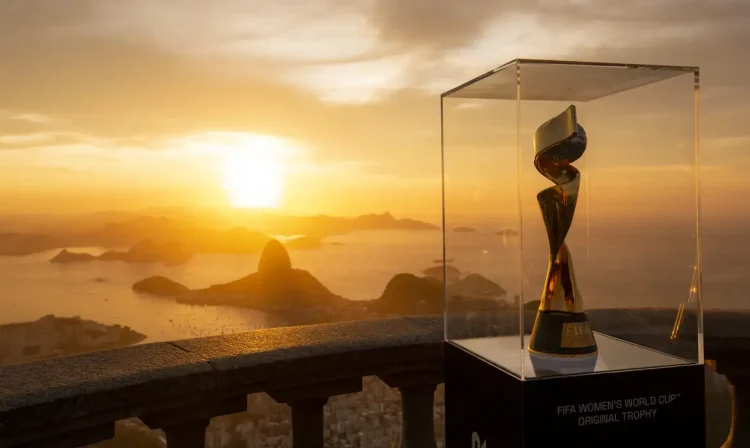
[179, 386]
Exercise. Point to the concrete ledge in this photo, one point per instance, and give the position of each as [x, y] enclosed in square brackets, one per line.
[281, 358]
[78, 392]
[84, 394]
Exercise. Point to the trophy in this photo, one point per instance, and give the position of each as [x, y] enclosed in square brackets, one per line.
[561, 341]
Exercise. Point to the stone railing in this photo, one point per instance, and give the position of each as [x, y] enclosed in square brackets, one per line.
[179, 386]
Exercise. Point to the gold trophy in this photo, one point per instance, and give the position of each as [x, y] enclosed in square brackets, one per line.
[561, 341]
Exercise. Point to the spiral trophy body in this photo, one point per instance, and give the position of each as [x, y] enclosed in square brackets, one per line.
[561, 340]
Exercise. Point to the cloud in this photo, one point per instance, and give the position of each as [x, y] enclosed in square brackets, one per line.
[21, 123]
[729, 142]
[23, 139]
[33, 118]
[649, 11]
[306, 44]
[157, 70]
[353, 82]
[386, 44]
[435, 24]
[266, 29]
[19, 141]
[28, 17]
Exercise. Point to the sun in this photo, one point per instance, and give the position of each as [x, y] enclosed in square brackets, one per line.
[253, 174]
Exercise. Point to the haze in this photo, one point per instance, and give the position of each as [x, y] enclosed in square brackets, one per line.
[119, 105]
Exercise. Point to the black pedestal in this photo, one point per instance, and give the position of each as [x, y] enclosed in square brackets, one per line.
[489, 407]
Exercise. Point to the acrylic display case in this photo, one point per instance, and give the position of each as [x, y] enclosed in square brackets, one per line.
[572, 255]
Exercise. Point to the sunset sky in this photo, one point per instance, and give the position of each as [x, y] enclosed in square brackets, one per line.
[108, 104]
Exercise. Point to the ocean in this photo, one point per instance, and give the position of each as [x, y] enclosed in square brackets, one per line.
[359, 265]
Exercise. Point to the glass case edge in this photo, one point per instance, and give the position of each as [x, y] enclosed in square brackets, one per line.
[676, 68]
[698, 248]
[442, 193]
[521, 309]
[520, 61]
[469, 82]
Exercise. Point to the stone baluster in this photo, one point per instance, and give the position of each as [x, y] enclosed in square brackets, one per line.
[418, 405]
[186, 427]
[307, 408]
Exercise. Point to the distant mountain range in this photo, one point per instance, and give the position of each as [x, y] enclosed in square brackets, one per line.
[241, 233]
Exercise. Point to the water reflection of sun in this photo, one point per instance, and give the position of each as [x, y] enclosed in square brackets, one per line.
[253, 173]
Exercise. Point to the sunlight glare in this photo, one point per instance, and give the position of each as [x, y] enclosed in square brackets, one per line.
[253, 174]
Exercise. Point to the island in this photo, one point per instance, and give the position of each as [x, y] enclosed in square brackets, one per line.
[160, 286]
[295, 296]
[20, 244]
[276, 288]
[65, 257]
[407, 294]
[52, 336]
[463, 229]
[168, 253]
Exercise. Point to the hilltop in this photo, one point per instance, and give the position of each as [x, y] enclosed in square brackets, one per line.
[275, 285]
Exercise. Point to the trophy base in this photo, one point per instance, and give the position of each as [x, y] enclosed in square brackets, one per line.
[545, 365]
[625, 402]
[559, 333]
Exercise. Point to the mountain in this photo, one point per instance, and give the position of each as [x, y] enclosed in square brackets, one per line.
[452, 273]
[196, 235]
[275, 287]
[407, 294]
[25, 244]
[169, 253]
[298, 297]
[65, 257]
[387, 221]
[53, 336]
[474, 286]
[160, 286]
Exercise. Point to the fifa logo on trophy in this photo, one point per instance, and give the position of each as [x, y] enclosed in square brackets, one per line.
[561, 340]
[476, 442]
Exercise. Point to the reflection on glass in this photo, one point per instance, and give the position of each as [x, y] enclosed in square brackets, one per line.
[692, 298]
[562, 340]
